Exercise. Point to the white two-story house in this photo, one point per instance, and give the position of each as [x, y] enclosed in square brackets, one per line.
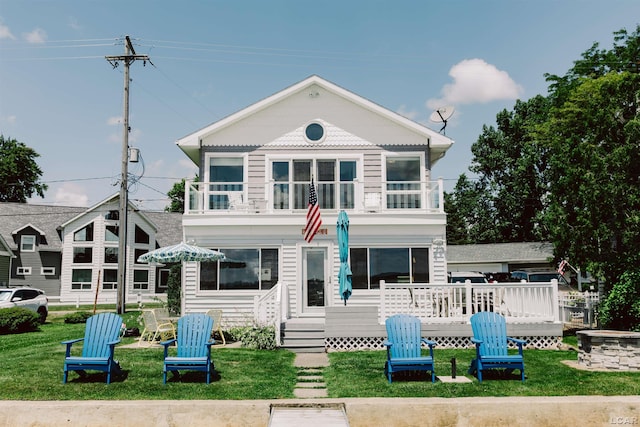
[256, 167]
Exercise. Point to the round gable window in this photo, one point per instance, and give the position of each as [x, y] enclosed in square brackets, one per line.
[314, 132]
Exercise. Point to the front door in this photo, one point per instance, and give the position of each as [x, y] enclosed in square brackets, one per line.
[314, 280]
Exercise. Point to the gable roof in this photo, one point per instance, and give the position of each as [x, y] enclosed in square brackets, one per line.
[521, 252]
[40, 232]
[48, 219]
[190, 144]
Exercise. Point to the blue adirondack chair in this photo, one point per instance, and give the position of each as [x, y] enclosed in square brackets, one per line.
[491, 340]
[102, 333]
[404, 344]
[193, 346]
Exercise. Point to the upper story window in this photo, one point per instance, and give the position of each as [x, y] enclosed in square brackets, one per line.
[404, 181]
[334, 180]
[226, 175]
[82, 255]
[141, 236]
[111, 233]
[27, 243]
[314, 132]
[85, 234]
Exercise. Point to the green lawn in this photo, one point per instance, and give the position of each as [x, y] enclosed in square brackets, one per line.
[32, 370]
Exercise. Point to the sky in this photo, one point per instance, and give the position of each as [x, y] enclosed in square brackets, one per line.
[209, 59]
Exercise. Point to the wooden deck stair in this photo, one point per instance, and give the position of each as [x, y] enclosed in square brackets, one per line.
[304, 335]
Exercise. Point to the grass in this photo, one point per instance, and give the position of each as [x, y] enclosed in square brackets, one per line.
[360, 374]
[32, 370]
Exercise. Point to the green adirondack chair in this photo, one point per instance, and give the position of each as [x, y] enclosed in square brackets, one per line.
[491, 340]
[102, 333]
[193, 346]
[404, 344]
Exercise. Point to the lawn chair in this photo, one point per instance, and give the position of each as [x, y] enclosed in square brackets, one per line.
[216, 315]
[102, 333]
[193, 346]
[404, 344]
[156, 329]
[491, 340]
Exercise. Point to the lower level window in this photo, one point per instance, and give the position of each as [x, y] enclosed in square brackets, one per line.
[394, 265]
[81, 279]
[141, 279]
[244, 269]
[110, 279]
[23, 271]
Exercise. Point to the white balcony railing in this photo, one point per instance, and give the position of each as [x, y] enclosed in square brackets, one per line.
[277, 197]
[456, 302]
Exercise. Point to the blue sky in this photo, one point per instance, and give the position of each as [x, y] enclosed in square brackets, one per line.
[61, 97]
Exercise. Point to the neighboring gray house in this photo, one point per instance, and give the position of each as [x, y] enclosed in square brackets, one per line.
[497, 257]
[32, 241]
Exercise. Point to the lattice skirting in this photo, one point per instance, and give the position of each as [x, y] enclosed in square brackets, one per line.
[375, 343]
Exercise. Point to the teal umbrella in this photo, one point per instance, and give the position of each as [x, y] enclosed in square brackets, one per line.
[344, 276]
[181, 252]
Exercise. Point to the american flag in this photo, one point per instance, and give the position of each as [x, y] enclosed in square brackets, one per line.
[561, 267]
[313, 215]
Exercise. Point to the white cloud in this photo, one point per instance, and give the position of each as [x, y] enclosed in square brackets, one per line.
[37, 36]
[12, 119]
[411, 115]
[71, 195]
[5, 32]
[476, 82]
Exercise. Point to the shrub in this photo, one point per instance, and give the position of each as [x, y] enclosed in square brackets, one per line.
[621, 307]
[77, 317]
[16, 320]
[256, 337]
[174, 285]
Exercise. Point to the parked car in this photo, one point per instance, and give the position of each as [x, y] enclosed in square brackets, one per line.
[537, 276]
[26, 297]
[499, 276]
[463, 276]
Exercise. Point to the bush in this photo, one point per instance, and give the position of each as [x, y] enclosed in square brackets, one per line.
[256, 337]
[77, 317]
[17, 320]
[174, 285]
[621, 307]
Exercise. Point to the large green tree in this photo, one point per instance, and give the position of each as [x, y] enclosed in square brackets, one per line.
[594, 176]
[176, 195]
[511, 166]
[19, 172]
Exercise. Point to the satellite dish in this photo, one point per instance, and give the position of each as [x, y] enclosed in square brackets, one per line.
[441, 115]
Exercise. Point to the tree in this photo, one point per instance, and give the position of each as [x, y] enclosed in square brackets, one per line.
[176, 194]
[511, 167]
[19, 172]
[594, 175]
[470, 214]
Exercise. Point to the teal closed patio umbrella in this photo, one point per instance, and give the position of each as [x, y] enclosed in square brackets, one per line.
[344, 276]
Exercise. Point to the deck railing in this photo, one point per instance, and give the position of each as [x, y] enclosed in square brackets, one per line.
[285, 197]
[456, 302]
[272, 308]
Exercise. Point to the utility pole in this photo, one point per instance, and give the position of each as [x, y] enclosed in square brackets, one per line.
[127, 59]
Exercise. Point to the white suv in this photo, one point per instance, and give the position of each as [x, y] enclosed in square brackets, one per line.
[31, 298]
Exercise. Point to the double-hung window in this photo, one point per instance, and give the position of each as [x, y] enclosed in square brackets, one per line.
[404, 181]
[226, 178]
[27, 243]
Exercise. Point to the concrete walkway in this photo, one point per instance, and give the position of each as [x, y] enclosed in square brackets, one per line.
[558, 411]
[310, 375]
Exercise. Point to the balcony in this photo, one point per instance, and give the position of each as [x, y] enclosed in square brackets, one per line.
[414, 197]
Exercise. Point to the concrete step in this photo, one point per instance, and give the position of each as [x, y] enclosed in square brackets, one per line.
[329, 415]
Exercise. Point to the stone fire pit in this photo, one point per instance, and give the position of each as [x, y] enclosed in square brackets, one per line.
[610, 350]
